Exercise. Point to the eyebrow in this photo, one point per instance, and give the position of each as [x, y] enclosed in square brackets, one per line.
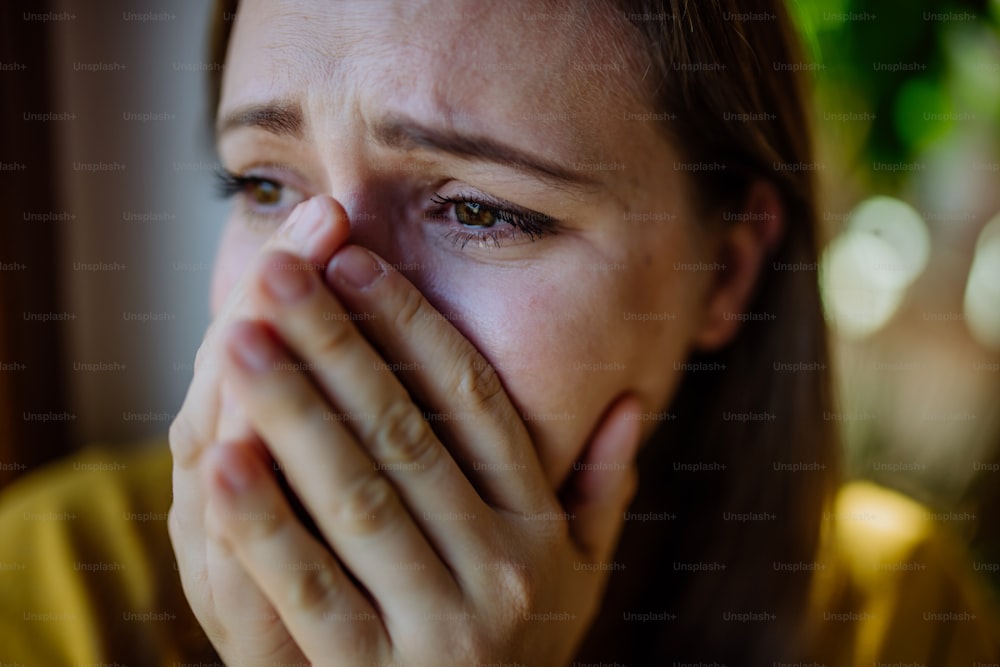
[401, 133]
[277, 118]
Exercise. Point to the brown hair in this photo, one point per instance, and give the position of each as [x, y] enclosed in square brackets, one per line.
[713, 61]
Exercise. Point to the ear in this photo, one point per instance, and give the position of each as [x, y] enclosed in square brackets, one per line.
[742, 250]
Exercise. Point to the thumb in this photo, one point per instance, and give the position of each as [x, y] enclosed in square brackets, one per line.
[605, 480]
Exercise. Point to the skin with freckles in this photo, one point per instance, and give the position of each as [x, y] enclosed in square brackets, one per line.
[435, 307]
[551, 315]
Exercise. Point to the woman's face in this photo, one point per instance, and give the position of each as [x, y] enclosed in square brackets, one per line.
[421, 116]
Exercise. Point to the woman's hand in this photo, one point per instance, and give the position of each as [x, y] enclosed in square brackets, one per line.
[313, 231]
[457, 554]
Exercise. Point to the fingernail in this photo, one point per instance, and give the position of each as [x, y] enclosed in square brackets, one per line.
[286, 281]
[357, 268]
[236, 473]
[251, 349]
[308, 223]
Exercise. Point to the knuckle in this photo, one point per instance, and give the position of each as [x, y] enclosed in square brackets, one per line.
[411, 305]
[366, 505]
[520, 587]
[185, 445]
[479, 385]
[334, 342]
[253, 526]
[310, 590]
[403, 440]
[262, 619]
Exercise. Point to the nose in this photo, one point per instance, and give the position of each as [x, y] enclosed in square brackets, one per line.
[369, 206]
[382, 206]
[379, 190]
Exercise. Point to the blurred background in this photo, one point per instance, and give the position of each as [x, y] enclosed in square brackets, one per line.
[908, 120]
[110, 228]
[112, 224]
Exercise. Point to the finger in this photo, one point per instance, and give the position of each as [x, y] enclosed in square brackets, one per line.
[233, 422]
[378, 409]
[198, 421]
[189, 434]
[245, 622]
[605, 481]
[314, 230]
[356, 507]
[316, 601]
[483, 430]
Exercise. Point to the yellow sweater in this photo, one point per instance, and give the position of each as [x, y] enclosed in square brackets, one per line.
[87, 576]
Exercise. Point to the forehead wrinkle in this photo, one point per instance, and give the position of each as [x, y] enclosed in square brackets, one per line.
[452, 92]
[604, 37]
[317, 65]
[305, 50]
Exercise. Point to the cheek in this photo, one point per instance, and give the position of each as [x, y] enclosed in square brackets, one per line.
[566, 344]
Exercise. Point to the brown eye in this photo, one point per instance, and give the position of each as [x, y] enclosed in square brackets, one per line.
[472, 214]
[265, 193]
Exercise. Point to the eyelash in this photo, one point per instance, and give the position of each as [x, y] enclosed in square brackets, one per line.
[229, 185]
[517, 222]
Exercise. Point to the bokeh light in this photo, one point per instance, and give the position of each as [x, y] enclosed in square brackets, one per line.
[982, 292]
[864, 272]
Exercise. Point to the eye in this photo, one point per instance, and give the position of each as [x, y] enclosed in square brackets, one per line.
[487, 222]
[474, 214]
[261, 195]
[265, 193]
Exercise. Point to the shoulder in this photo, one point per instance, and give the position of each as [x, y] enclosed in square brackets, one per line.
[895, 584]
[97, 477]
[88, 503]
[86, 564]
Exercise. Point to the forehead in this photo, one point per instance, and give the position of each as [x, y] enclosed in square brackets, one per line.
[554, 72]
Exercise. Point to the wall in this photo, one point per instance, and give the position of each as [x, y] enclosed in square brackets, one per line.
[137, 167]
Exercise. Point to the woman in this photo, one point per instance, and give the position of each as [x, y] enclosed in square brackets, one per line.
[511, 363]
